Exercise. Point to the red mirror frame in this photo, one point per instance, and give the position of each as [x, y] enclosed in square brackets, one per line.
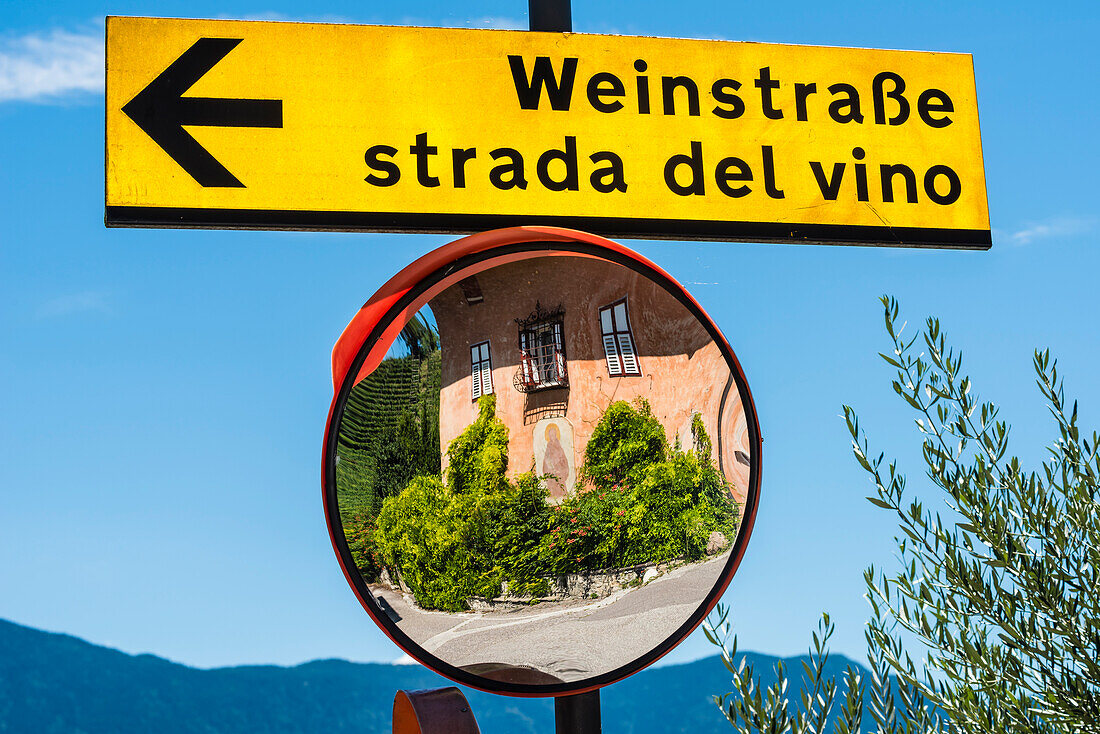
[367, 338]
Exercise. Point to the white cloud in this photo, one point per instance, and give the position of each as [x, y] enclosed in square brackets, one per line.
[49, 65]
[74, 303]
[57, 64]
[272, 15]
[500, 23]
[263, 15]
[1058, 227]
[404, 660]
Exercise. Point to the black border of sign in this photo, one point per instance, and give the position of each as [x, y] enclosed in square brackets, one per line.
[623, 227]
[736, 552]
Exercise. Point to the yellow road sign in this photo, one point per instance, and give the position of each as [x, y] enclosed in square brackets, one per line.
[309, 126]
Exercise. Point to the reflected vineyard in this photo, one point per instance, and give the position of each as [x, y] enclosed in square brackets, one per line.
[390, 432]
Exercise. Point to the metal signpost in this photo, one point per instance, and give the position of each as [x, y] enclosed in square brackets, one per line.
[261, 125]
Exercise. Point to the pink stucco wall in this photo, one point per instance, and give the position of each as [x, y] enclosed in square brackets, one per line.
[683, 371]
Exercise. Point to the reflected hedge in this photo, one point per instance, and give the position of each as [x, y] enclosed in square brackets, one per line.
[480, 534]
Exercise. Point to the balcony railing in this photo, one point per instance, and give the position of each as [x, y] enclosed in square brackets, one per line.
[541, 368]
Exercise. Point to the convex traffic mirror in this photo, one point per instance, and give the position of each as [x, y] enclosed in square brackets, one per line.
[542, 461]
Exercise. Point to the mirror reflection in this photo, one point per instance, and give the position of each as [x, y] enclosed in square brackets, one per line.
[544, 477]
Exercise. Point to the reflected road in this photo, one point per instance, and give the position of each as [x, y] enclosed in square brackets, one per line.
[572, 640]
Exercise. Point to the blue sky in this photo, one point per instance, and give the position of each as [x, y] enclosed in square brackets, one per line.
[163, 393]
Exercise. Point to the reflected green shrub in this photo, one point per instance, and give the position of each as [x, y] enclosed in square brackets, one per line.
[518, 517]
[646, 502]
[478, 457]
[431, 536]
[360, 532]
[625, 441]
[468, 537]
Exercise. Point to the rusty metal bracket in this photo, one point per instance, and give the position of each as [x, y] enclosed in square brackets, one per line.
[433, 711]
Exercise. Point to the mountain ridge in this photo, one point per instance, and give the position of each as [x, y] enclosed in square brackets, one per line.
[56, 683]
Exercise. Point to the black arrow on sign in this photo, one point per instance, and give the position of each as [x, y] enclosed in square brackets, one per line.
[161, 111]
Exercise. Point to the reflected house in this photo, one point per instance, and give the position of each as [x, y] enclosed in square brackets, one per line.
[558, 339]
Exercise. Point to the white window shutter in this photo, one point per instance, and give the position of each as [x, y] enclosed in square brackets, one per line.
[477, 381]
[630, 359]
[614, 367]
[486, 378]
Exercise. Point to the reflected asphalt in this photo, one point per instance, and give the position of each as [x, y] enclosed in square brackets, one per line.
[572, 640]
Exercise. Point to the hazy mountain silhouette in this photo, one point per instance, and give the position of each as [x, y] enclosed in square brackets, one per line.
[59, 684]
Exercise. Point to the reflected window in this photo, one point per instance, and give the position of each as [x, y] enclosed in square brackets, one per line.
[542, 352]
[618, 341]
[481, 367]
